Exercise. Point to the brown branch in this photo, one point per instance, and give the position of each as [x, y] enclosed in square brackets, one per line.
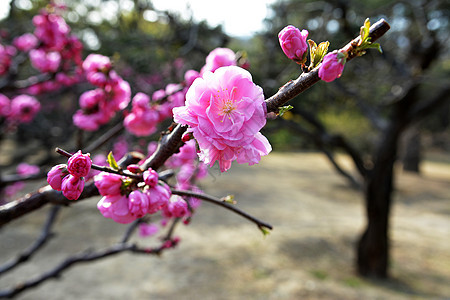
[306, 80]
[222, 203]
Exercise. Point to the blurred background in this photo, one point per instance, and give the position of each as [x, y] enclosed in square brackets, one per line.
[379, 132]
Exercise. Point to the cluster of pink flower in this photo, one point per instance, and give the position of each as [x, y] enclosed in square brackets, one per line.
[70, 178]
[125, 203]
[21, 109]
[52, 49]
[294, 45]
[112, 94]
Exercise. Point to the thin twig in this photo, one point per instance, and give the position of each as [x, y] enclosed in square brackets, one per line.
[219, 202]
[44, 237]
[85, 256]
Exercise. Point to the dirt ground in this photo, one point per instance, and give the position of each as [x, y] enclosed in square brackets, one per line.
[309, 254]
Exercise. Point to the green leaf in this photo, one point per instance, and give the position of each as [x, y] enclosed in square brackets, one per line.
[376, 46]
[364, 32]
[284, 109]
[264, 231]
[321, 50]
[112, 161]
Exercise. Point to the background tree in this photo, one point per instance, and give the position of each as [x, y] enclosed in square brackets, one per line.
[397, 91]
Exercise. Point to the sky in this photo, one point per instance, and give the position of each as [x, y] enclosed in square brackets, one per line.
[239, 17]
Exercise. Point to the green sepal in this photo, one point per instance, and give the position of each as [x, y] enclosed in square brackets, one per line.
[126, 183]
[284, 109]
[112, 161]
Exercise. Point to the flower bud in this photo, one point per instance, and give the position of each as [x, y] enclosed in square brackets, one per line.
[55, 176]
[332, 66]
[293, 42]
[151, 177]
[79, 164]
[72, 187]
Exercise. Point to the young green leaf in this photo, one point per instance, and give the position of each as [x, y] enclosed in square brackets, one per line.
[112, 161]
[284, 109]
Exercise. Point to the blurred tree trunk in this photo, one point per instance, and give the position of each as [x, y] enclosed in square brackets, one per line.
[411, 149]
[373, 246]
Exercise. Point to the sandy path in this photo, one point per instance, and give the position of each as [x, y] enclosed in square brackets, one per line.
[309, 254]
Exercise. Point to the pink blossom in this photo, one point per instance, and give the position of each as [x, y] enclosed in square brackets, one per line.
[72, 187]
[190, 76]
[27, 169]
[159, 197]
[187, 154]
[176, 97]
[143, 119]
[79, 164]
[225, 111]
[5, 106]
[6, 52]
[120, 148]
[120, 91]
[55, 176]
[147, 229]
[85, 121]
[45, 61]
[25, 42]
[24, 108]
[108, 184]
[158, 95]
[177, 208]
[151, 177]
[90, 100]
[116, 207]
[293, 42]
[52, 30]
[332, 66]
[138, 203]
[219, 57]
[95, 63]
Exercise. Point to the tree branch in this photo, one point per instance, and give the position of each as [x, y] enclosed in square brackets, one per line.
[220, 202]
[45, 236]
[306, 80]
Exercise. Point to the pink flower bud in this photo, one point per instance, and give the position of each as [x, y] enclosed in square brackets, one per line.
[293, 42]
[72, 187]
[55, 176]
[138, 203]
[151, 177]
[190, 76]
[79, 164]
[108, 184]
[332, 66]
[219, 57]
[135, 169]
